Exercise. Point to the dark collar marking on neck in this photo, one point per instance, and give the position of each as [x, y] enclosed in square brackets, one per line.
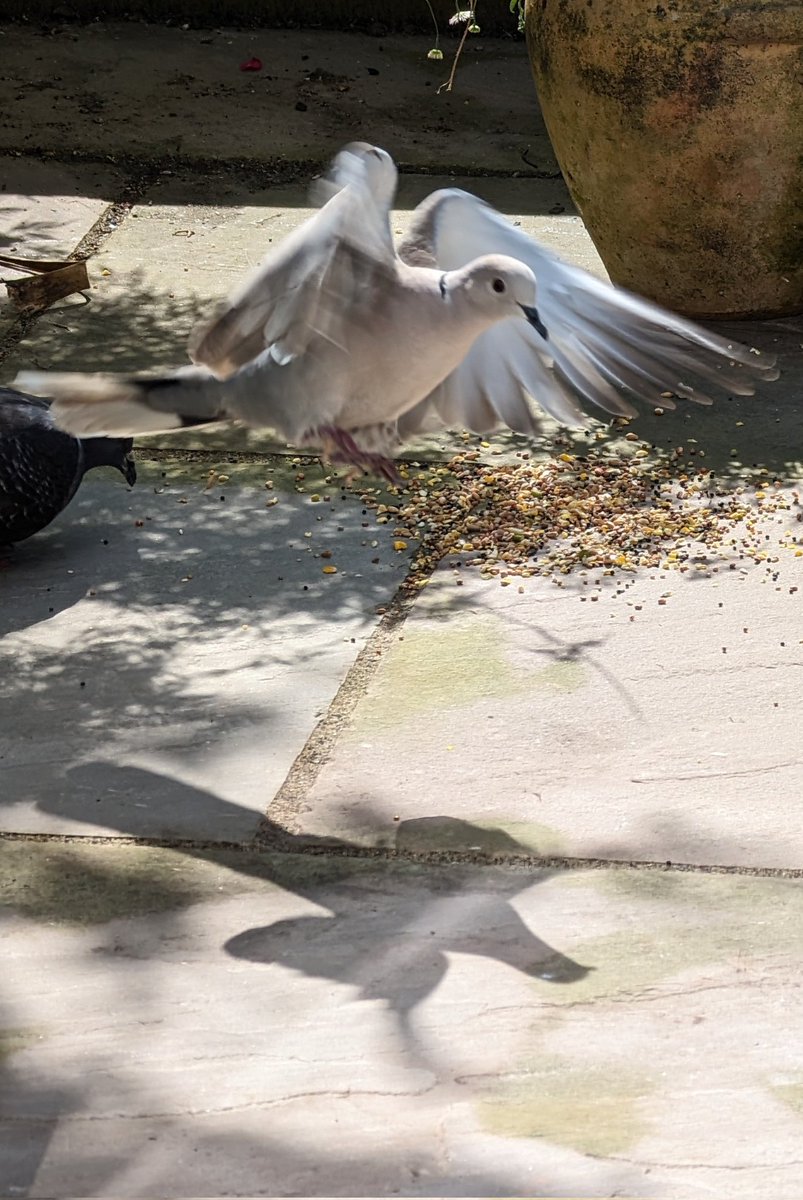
[442, 284]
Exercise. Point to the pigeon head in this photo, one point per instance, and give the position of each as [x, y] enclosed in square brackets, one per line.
[499, 287]
[110, 452]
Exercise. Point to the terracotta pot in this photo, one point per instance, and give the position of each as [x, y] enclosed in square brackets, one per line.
[679, 129]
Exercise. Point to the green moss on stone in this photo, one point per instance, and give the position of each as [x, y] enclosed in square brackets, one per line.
[709, 919]
[89, 884]
[16, 1039]
[439, 668]
[474, 834]
[791, 1094]
[594, 1110]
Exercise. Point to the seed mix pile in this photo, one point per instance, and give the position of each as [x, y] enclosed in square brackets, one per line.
[611, 510]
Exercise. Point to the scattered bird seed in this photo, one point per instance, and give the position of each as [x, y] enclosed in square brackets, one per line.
[617, 512]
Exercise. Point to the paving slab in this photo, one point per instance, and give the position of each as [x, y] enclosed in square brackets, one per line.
[186, 625]
[95, 89]
[200, 1023]
[46, 208]
[353, 1021]
[177, 247]
[652, 716]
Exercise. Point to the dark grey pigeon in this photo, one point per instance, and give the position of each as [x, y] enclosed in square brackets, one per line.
[41, 467]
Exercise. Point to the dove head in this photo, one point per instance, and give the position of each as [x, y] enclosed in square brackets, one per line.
[497, 287]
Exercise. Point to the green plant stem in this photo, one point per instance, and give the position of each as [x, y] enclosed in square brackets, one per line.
[450, 80]
[435, 23]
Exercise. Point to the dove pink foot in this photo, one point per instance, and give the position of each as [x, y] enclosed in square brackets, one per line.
[339, 447]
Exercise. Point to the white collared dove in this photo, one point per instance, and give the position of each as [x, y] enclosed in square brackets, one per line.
[341, 341]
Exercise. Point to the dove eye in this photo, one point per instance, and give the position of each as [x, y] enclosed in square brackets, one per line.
[498, 285]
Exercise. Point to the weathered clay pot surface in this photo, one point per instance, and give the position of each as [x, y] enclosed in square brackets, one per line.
[679, 129]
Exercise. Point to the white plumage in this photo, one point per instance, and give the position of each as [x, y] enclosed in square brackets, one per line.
[340, 340]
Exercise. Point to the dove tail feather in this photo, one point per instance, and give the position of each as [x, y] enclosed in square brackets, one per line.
[87, 405]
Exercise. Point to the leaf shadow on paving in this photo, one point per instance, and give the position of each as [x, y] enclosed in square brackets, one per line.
[249, 554]
[388, 934]
[135, 329]
[169, 1154]
[19, 230]
[286, 1043]
[182, 621]
[353, 923]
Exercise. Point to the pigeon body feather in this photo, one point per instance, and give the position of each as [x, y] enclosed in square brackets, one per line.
[41, 467]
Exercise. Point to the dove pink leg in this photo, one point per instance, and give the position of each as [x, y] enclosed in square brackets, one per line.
[339, 447]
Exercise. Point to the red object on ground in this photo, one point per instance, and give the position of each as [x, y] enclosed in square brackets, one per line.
[251, 64]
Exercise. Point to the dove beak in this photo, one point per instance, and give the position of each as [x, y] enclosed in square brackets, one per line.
[129, 470]
[533, 319]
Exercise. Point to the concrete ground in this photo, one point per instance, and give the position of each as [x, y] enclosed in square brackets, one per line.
[311, 887]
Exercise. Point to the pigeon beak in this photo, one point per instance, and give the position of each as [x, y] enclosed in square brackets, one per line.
[533, 318]
[129, 470]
